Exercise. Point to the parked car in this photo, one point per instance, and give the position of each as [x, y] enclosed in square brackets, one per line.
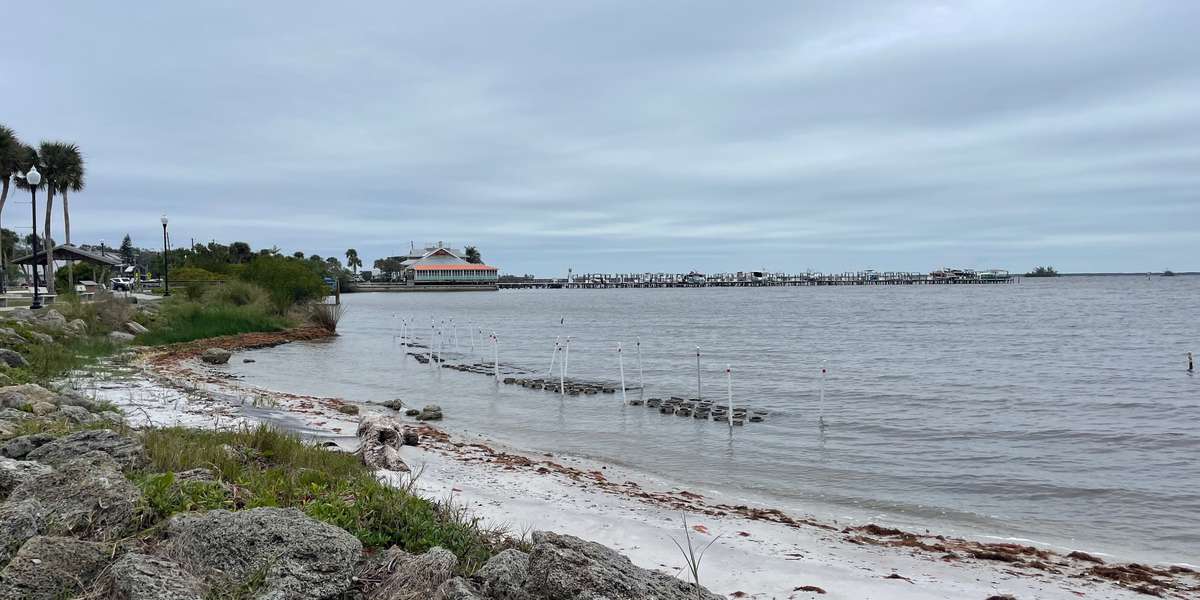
[120, 284]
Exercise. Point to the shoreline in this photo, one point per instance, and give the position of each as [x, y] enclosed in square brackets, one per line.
[761, 553]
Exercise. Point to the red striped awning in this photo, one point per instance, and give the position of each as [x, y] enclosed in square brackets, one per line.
[458, 267]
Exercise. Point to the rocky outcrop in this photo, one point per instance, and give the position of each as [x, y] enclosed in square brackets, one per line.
[128, 452]
[299, 558]
[504, 576]
[74, 414]
[19, 521]
[120, 337]
[431, 412]
[87, 497]
[15, 472]
[216, 356]
[20, 396]
[43, 338]
[12, 358]
[20, 447]
[144, 577]
[52, 568]
[136, 328]
[564, 566]
[380, 439]
[414, 576]
[457, 589]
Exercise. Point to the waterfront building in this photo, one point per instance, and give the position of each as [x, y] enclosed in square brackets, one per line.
[439, 265]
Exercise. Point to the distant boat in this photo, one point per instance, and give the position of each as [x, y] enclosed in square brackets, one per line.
[1168, 273]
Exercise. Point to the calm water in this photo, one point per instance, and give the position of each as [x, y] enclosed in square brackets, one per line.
[1053, 410]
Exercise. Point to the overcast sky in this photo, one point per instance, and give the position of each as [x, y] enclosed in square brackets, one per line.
[631, 136]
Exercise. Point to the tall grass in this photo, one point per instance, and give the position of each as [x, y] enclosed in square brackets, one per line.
[188, 321]
[266, 467]
[326, 316]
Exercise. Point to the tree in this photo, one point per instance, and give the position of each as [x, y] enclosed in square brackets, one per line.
[127, 252]
[10, 158]
[72, 181]
[27, 158]
[472, 255]
[298, 254]
[333, 262]
[240, 252]
[1042, 272]
[352, 260]
[61, 165]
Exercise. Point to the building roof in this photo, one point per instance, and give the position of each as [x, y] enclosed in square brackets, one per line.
[69, 252]
[453, 267]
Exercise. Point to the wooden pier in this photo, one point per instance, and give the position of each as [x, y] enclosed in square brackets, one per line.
[664, 280]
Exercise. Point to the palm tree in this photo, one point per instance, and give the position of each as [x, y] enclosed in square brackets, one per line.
[352, 260]
[62, 164]
[10, 157]
[472, 255]
[27, 157]
[72, 181]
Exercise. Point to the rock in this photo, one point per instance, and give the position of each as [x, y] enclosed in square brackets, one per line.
[504, 576]
[12, 358]
[136, 328]
[144, 577]
[8, 428]
[77, 326]
[297, 557]
[216, 356]
[431, 412]
[20, 447]
[412, 412]
[7, 334]
[379, 440]
[248, 360]
[411, 437]
[14, 472]
[44, 338]
[415, 577]
[52, 568]
[52, 319]
[394, 404]
[120, 337]
[74, 414]
[347, 409]
[87, 497]
[112, 417]
[42, 409]
[564, 566]
[457, 589]
[19, 521]
[129, 453]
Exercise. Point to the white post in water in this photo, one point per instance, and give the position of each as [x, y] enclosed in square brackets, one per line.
[698, 396]
[821, 406]
[641, 377]
[567, 356]
[729, 384]
[471, 332]
[621, 361]
[496, 356]
[562, 371]
[553, 358]
[432, 336]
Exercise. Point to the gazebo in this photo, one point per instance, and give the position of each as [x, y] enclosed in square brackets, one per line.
[69, 253]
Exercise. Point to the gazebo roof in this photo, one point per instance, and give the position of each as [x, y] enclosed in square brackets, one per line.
[70, 252]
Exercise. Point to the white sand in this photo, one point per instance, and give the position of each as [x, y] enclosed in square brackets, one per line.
[756, 558]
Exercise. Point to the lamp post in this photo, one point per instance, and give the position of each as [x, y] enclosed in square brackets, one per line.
[166, 265]
[34, 179]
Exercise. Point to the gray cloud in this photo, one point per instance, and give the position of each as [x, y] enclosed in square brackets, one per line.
[633, 136]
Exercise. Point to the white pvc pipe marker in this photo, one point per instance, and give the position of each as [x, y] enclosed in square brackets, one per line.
[641, 377]
[821, 406]
[553, 358]
[621, 361]
[729, 384]
[698, 396]
[496, 356]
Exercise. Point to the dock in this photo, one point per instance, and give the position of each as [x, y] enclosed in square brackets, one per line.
[760, 279]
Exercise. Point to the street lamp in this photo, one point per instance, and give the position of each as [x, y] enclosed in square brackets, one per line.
[34, 179]
[166, 265]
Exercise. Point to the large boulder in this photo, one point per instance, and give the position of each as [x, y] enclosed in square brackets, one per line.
[51, 319]
[504, 575]
[19, 396]
[128, 452]
[87, 497]
[431, 412]
[43, 338]
[297, 557]
[74, 414]
[414, 576]
[380, 439]
[19, 521]
[20, 447]
[216, 356]
[144, 577]
[12, 358]
[458, 589]
[77, 327]
[564, 566]
[9, 336]
[136, 328]
[120, 337]
[52, 568]
[15, 472]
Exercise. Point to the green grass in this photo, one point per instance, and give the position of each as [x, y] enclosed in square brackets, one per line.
[50, 361]
[187, 321]
[265, 467]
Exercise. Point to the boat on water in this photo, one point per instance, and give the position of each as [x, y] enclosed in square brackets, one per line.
[1168, 273]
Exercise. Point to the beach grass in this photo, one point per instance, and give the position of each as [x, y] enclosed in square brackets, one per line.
[266, 467]
[188, 321]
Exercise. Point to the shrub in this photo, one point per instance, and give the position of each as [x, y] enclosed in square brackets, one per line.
[194, 281]
[288, 281]
[326, 315]
[238, 293]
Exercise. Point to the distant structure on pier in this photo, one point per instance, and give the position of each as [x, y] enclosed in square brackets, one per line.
[433, 268]
[945, 276]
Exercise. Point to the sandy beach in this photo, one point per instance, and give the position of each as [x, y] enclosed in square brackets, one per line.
[758, 552]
